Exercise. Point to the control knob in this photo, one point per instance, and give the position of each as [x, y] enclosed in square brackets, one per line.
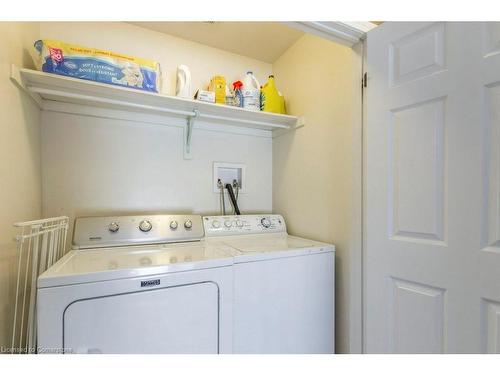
[113, 227]
[173, 224]
[188, 224]
[239, 223]
[266, 223]
[228, 223]
[145, 226]
[216, 224]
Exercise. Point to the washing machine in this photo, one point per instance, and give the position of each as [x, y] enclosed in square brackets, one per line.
[138, 284]
[283, 285]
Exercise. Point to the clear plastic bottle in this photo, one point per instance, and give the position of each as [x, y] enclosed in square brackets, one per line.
[238, 95]
[229, 96]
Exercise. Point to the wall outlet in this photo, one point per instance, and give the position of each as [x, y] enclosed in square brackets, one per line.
[227, 173]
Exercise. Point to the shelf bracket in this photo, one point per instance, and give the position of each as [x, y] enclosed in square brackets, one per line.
[188, 134]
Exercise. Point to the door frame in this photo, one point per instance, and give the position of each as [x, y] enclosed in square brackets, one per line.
[346, 33]
[356, 292]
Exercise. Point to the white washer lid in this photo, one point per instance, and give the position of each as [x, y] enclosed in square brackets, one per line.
[269, 246]
[82, 266]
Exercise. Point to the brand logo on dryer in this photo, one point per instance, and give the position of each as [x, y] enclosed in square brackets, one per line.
[148, 283]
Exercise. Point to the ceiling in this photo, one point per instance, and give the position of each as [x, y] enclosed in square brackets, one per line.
[265, 41]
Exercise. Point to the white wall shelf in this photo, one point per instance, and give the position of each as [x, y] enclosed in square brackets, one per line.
[47, 88]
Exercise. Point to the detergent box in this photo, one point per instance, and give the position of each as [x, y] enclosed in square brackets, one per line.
[98, 65]
[205, 96]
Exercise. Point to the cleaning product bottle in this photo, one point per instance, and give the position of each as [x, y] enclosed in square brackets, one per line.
[238, 95]
[229, 96]
[251, 92]
[183, 86]
[271, 98]
[218, 85]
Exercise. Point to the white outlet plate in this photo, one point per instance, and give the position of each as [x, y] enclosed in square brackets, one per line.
[227, 172]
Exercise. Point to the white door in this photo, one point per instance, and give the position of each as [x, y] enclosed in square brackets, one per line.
[432, 180]
[174, 320]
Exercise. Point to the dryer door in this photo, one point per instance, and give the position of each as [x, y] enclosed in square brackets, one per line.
[180, 319]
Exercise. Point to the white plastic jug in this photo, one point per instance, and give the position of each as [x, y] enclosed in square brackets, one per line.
[251, 92]
[183, 86]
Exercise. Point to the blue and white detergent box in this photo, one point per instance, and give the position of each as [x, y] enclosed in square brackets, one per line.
[98, 65]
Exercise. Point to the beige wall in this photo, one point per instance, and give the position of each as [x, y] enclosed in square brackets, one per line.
[313, 167]
[169, 51]
[20, 186]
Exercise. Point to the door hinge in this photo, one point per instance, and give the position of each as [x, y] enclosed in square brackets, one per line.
[365, 80]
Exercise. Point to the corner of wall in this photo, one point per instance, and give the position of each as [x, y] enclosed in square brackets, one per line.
[316, 168]
[20, 153]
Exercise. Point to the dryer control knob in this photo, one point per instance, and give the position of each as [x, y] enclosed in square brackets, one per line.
[239, 223]
[113, 227]
[216, 224]
[173, 224]
[188, 224]
[145, 226]
[265, 222]
[228, 223]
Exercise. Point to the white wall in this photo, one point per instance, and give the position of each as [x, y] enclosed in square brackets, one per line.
[316, 171]
[97, 166]
[101, 166]
[20, 183]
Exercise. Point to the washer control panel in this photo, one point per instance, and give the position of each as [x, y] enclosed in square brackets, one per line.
[243, 224]
[94, 232]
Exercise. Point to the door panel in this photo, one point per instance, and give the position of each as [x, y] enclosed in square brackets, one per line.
[175, 320]
[417, 55]
[489, 253]
[491, 38]
[491, 327]
[416, 189]
[491, 217]
[418, 318]
[432, 188]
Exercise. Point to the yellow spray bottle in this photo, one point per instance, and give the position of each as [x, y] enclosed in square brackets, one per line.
[271, 99]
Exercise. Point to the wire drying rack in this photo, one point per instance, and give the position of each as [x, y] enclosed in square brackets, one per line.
[40, 243]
